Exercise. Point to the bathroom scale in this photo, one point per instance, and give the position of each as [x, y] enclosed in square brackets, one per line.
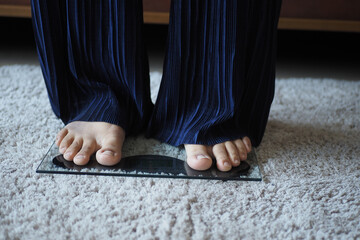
[143, 157]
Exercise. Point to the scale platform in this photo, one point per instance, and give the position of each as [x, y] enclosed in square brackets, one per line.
[143, 157]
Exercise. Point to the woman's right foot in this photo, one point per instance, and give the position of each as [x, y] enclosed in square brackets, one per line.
[227, 154]
[78, 140]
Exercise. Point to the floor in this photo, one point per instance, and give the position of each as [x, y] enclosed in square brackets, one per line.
[301, 54]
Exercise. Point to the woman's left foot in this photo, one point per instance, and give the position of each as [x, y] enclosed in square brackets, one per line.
[227, 154]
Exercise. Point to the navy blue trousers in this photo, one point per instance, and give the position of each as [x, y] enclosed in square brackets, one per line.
[218, 77]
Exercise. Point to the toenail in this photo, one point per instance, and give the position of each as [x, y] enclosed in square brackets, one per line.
[226, 164]
[201, 156]
[109, 153]
[67, 155]
[243, 155]
[236, 161]
[80, 157]
[63, 149]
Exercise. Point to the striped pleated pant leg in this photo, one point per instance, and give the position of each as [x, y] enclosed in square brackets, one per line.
[219, 72]
[219, 69]
[94, 61]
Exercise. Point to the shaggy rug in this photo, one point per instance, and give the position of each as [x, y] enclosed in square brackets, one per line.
[309, 159]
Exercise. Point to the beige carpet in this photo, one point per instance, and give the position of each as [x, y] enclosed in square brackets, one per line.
[309, 158]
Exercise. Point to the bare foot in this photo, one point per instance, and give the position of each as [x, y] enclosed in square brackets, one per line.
[227, 154]
[78, 140]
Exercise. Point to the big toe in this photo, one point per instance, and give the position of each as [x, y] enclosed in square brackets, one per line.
[110, 152]
[108, 157]
[198, 157]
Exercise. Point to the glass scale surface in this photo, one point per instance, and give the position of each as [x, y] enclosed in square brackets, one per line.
[143, 157]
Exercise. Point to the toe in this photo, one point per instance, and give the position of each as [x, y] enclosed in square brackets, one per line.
[241, 149]
[233, 153]
[60, 136]
[110, 152]
[83, 156]
[247, 143]
[65, 143]
[223, 161]
[73, 149]
[198, 157]
[108, 157]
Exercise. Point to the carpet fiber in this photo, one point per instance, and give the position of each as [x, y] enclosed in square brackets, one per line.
[309, 158]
